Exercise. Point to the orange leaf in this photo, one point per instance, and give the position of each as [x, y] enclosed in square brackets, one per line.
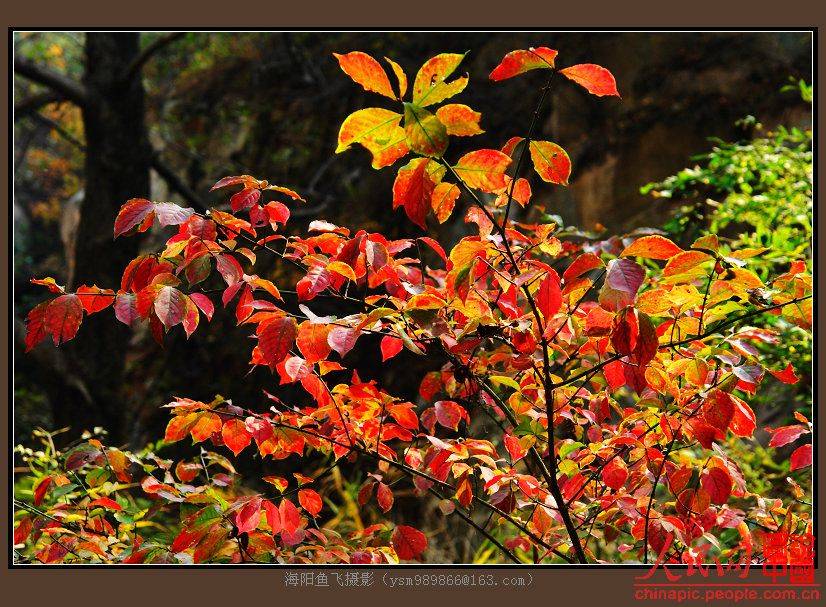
[459, 119]
[483, 169]
[378, 131]
[94, 299]
[413, 189]
[521, 61]
[235, 435]
[312, 341]
[594, 78]
[551, 162]
[310, 500]
[443, 200]
[652, 247]
[367, 72]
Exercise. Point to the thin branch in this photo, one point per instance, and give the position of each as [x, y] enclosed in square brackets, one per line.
[147, 53]
[57, 82]
[32, 104]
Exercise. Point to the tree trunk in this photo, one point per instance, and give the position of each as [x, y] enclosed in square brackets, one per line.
[117, 168]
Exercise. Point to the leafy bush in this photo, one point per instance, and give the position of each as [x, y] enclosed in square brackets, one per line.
[618, 373]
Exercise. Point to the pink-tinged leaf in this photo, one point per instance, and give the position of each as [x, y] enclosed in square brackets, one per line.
[652, 247]
[131, 214]
[521, 61]
[247, 180]
[63, 317]
[390, 347]
[787, 434]
[384, 497]
[204, 303]
[594, 78]
[408, 542]
[236, 436]
[551, 162]
[126, 309]
[367, 72]
[310, 500]
[170, 306]
[244, 199]
[315, 282]
[801, 458]
[787, 375]
[94, 299]
[275, 338]
[549, 295]
[248, 517]
[342, 339]
[483, 169]
[170, 214]
[449, 414]
[622, 281]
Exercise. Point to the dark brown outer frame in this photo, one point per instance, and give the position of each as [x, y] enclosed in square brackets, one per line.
[228, 586]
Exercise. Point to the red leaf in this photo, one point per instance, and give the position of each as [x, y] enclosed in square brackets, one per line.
[717, 483]
[514, 447]
[21, 532]
[787, 375]
[310, 500]
[94, 299]
[248, 517]
[408, 542]
[802, 457]
[594, 78]
[786, 434]
[743, 422]
[521, 61]
[290, 517]
[615, 473]
[204, 303]
[105, 502]
[41, 488]
[413, 189]
[390, 347]
[384, 497]
[235, 435]
[36, 325]
[132, 213]
[244, 199]
[63, 317]
[275, 338]
[652, 247]
[549, 295]
[449, 414]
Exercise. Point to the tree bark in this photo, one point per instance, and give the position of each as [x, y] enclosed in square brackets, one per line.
[116, 168]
